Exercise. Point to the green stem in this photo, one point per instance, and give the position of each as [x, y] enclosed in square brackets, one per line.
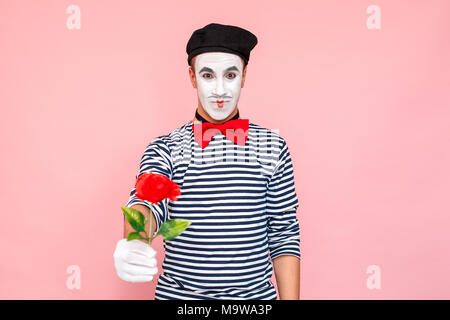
[151, 236]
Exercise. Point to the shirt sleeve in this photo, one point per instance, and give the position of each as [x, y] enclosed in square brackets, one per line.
[157, 159]
[281, 208]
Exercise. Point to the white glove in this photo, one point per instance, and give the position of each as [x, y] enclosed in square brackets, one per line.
[135, 261]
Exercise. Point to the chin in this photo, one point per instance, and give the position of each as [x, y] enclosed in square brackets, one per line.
[220, 119]
[219, 114]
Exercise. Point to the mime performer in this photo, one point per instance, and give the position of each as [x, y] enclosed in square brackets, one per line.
[237, 189]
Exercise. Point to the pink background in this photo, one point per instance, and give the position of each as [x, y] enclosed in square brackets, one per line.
[366, 114]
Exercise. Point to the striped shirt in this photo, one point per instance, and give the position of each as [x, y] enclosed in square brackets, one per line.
[242, 204]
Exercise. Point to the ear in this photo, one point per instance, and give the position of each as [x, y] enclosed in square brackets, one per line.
[192, 77]
[244, 71]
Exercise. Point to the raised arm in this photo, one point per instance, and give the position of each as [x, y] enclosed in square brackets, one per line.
[135, 261]
[157, 159]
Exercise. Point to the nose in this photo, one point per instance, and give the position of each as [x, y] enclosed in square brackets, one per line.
[219, 90]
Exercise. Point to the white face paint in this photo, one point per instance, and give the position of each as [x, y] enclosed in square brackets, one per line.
[219, 78]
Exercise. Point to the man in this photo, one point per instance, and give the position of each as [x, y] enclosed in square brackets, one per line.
[237, 189]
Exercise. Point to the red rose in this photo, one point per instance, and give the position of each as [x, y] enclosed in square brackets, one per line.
[155, 187]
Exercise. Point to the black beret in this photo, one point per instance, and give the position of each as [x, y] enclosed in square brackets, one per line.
[223, 38]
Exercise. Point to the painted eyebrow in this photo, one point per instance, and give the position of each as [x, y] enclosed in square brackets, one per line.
[206, 69]
[233, 68]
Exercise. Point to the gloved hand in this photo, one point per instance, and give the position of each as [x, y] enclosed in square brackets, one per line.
[135, 261]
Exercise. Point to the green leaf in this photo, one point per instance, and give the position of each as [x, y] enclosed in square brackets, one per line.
[173, 228]
[134, 235]
[136, 219]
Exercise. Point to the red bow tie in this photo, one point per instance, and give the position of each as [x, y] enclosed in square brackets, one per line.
[235, 130]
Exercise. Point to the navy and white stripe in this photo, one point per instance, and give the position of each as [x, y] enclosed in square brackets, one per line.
[242, 203]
